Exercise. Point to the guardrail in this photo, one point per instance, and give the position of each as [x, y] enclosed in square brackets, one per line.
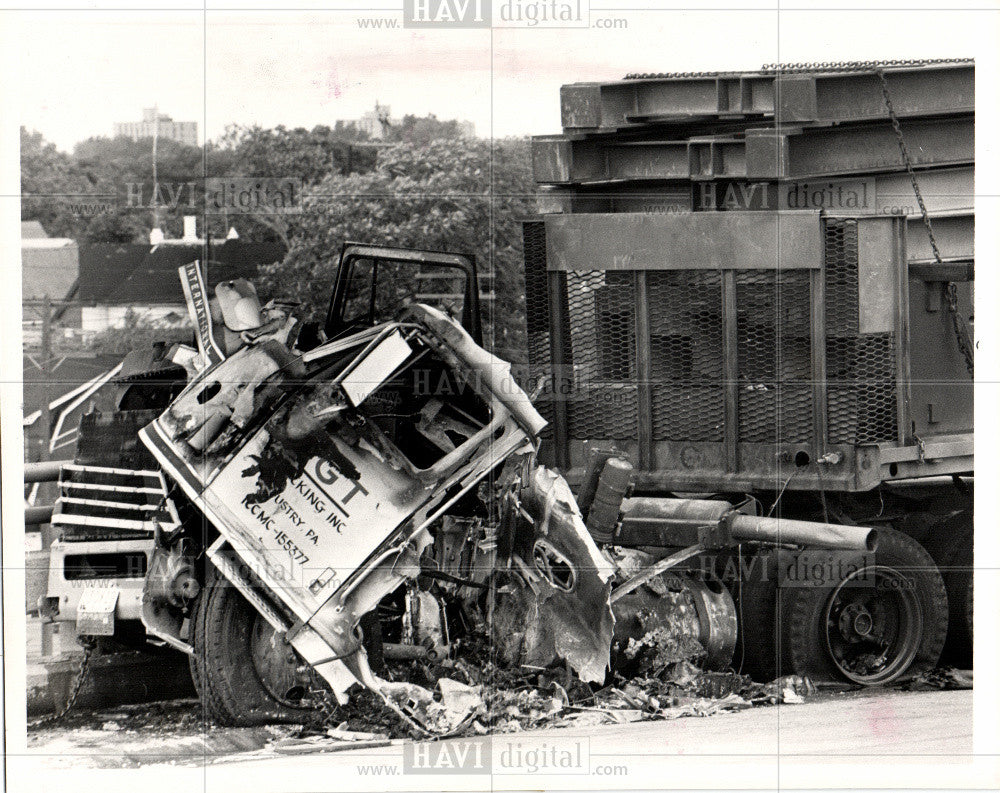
[43, 472]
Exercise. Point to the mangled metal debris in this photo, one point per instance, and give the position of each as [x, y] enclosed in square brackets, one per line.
[375, 500]
[555, 602]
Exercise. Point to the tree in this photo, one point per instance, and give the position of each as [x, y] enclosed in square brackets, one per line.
[104, 191]
[307, 155]
[421, 131]
[127, 166]
[465, 196]
[118, 227]
[53, 187]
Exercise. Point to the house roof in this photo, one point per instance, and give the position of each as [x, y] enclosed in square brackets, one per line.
[49, 268]
[113, 274]
[32, 229]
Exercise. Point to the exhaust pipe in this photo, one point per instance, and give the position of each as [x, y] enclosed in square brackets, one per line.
[687, 515]
[804, 532]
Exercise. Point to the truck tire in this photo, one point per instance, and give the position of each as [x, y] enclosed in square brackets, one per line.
[884, 622]
[244, 673]
[756, 595]
[212, 709]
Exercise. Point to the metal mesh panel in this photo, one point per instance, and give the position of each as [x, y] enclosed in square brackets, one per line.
[537, 316]
[686, 369]
[774, 358]
[600, 354]
[861, 368]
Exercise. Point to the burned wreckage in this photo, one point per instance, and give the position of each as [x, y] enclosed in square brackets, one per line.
[321, 498]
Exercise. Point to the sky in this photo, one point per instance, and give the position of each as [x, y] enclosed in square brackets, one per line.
[82, 71]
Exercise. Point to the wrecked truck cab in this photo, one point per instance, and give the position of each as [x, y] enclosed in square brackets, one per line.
[374, 495]
[324, 475]
[344, 518]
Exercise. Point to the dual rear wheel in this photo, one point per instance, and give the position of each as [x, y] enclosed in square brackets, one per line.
[882, 622]
[885, 619]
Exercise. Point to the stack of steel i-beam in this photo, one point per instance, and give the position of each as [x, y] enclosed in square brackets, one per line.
[783, 138]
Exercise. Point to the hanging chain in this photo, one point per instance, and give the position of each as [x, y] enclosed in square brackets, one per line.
[74, 691]
[962, 335]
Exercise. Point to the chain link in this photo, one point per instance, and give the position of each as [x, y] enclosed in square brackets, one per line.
[89, 646]
[962, 335]
[797, 68]
[859, 66]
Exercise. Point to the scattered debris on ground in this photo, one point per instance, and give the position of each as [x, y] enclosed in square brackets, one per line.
[479, 696]
[943, 678]
[475, 699]
[474, 695]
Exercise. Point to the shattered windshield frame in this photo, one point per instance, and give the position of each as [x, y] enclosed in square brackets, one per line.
[373, 299]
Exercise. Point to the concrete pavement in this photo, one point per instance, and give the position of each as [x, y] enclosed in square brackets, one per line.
[865, 739]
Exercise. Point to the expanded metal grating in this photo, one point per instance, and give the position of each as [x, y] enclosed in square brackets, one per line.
[774, 347]
[774, 359]
[861, 368]
[600, 354]
[686, 368]
[538, 317]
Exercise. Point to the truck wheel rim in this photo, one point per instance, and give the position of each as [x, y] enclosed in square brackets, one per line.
[278, 667]
[873, 625]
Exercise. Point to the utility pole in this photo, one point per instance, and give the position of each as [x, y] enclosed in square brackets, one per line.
[44, 361]
[156, 191]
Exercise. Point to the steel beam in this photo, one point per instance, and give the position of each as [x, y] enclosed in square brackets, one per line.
[673, 197]
[559, 160]
[814, 98]
[611, 106]
[922, 91]
[766, 154]
[943, 190]
[856, 150]
[948, 190]
[954, 234]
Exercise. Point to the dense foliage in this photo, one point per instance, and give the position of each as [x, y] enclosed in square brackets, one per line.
[423, 186]
[446, 195]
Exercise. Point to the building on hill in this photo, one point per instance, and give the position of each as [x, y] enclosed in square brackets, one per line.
[157, 124]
